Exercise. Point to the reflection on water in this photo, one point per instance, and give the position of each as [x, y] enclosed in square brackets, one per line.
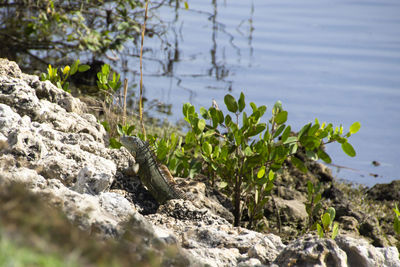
[335, 60]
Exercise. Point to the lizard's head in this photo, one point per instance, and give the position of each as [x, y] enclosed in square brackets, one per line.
[132, 143]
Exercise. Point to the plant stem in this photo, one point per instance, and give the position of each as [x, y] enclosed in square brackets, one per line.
[124, 103]
[141, 70]
[237, 200]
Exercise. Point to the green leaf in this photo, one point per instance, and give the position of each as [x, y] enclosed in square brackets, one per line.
[310, 142]
[262, 110]
[204, 113]
[228, 120]
[241, 102]
[216, 152]
[326, 220]
[303, 130]
[66, 86]
[74, 67]
[267, 135]
[105, 69]
[299, 164]
[279, 130]
[324, 156]
[220, 116]
[207, 148]
[271, 175]
[214, 117]
[335, 230]
[83, 68]
[257, 129]
[277, 107]
[130, 129]
[162, 150]
[313, 129]
[185, 109]
[332, 213]
[253, 106]
[190, 138]
[355, 127]
[261, 172]
[320, 231]
[396, 225]
[245, 120]
[286, 134]
[281, 117]
[290, 139]
[293, 148]
[310, 188]
[120, 129]
[231, 103]
[201, 124]
[317, 198]
[396, 210]
[348, 149]
[269, 187]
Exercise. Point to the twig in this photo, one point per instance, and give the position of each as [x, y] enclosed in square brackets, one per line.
[141, 70]
[124, 103]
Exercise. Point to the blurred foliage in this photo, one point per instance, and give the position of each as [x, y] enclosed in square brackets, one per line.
[34, 233]
[57, 30]
[59, 78]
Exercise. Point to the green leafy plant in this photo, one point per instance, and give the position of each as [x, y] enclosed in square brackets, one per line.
[106, 84]
[59, 77]
[245, 166]
[313, 205]
[327, 225]
[396, 222]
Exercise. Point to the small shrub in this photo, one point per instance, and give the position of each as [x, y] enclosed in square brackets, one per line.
[313, 205]
[327, 225]
[245, 166]
[106, 85]
[59, 77]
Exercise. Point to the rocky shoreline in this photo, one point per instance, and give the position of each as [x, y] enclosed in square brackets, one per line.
[50, 144]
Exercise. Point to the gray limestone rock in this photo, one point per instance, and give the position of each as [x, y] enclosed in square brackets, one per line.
[312, 251]
[361, 253]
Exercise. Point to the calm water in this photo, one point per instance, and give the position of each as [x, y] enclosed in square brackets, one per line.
[338, 61]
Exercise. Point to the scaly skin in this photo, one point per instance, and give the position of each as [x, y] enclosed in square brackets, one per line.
[150, 172]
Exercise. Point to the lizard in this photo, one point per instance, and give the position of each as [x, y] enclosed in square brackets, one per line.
[156, 177]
